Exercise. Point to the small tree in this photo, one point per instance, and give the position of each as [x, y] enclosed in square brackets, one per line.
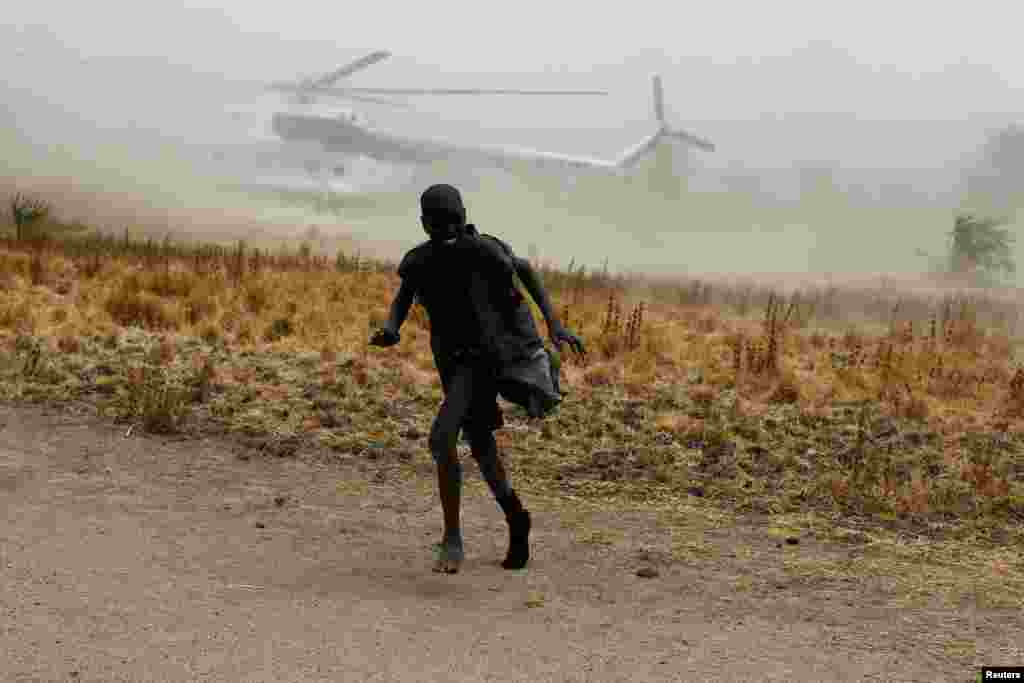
[980, 246]
[25, 212]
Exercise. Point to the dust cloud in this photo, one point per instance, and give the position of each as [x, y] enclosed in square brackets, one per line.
[120, 153]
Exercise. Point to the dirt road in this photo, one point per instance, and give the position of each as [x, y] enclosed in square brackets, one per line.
[146, 559]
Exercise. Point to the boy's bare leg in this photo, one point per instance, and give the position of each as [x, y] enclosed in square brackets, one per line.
[444, 434]
[449, 484]
[501, 486]
[485, 452]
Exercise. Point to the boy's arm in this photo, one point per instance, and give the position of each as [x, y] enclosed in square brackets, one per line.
[400, 307]
[388, 335]
[528, 276]
[531, 280]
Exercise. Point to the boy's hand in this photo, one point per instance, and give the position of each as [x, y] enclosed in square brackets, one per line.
[385, 337]
[560, 335]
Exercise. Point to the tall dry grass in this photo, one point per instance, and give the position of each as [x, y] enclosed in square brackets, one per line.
[709, 363]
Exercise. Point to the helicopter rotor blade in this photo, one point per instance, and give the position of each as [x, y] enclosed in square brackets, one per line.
[308, 83]
[454, 91]
[331, 78]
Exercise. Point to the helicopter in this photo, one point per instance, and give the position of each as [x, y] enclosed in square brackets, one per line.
[329, 146]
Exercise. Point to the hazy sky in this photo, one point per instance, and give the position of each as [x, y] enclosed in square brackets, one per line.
[723, 62]
[918, 54]
[771, 84]
[530, 33]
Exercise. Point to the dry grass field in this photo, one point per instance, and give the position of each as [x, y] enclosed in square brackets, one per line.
[863, 412]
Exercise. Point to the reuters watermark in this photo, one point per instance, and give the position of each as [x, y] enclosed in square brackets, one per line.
[1001, 673]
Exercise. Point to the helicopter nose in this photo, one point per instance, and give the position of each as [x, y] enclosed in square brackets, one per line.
[288, 127]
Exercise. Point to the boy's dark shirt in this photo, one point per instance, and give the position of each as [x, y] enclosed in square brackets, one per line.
[519, 330]
[468, 289]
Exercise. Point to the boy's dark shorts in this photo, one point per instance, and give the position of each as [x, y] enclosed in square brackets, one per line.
[471, 390]
[470, 397]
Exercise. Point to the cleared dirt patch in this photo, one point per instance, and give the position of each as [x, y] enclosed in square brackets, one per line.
[147, 558]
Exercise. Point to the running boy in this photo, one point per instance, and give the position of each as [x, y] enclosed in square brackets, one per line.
[484, 342]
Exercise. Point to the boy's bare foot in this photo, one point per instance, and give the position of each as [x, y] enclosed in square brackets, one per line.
[447, 558]
[519, 540]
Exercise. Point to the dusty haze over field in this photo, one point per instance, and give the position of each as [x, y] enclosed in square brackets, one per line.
[843, 134]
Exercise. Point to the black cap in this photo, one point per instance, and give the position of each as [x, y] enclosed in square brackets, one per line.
[442, 200]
